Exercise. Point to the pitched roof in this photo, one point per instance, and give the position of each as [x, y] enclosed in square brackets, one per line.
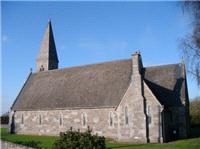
[166, 82]
[97, 85]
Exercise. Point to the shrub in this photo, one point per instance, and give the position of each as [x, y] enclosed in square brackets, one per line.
[79, 140]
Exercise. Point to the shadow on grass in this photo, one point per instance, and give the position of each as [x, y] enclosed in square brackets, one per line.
[34, 144]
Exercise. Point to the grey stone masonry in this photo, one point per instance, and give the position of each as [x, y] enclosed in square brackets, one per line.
[47, 58]
[52, 122]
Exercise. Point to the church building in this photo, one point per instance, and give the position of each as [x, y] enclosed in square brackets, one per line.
[122, 100]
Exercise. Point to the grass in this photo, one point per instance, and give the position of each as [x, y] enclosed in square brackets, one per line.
[45, 142]
[183, 144]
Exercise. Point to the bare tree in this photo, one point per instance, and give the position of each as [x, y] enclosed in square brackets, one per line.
[191, 43]
[195, 111]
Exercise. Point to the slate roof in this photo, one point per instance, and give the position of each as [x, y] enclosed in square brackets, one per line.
[166, 82]
[97, 85]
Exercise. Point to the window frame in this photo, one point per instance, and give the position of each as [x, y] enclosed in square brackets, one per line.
[111, 119]
[60, 120]
[84, 119]
[22, 119]
[40, 119]
[126, 116]
[149, 115]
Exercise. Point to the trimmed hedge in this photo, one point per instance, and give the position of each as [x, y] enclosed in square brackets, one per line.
[73, 139]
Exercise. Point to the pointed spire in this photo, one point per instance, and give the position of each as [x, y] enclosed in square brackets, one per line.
[47, 59]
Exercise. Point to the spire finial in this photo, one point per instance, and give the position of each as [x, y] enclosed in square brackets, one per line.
[49, 20]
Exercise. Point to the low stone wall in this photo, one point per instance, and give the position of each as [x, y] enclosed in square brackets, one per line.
[4, 126]
[9, 145]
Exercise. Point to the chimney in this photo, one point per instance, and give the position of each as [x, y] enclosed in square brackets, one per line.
[137, 63]
[139, 100]
[136, 72]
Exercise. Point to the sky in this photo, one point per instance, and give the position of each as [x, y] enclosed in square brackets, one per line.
[86, 33]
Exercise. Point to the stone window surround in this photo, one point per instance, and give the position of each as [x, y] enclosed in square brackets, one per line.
[61, 119]
[22, 118]
[149, 115]
[126, 116]
[84, 119]
[40, 119]
[111, 119]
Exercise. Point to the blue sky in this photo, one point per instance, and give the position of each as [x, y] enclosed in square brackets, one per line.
[89, 32]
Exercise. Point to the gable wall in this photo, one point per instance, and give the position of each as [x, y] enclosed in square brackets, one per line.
[135, 131]
[154, 129]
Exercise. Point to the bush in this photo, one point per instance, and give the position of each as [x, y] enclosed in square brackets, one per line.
[79, 140]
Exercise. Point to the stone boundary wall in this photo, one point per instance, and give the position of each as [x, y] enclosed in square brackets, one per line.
[10, 145]
[4, 126]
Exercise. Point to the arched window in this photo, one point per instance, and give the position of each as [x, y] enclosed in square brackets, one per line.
[111, 119]
[84, 119]
[40, 119]
[22, 119]
[61, 120]
[126, 115]
[41, 68]
[148, 115]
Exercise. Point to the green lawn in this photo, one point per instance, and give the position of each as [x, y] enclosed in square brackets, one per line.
[30, 140]
[47, 141]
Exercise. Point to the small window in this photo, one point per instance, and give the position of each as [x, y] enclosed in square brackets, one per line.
[111, 119]
[41, 68]
[22, 119]
[126, 115]
[148, 110]
[40, 119]
[61, 120]
[148, 115]
[84, 119]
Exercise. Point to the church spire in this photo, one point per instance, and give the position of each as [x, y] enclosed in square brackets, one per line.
[47, 58]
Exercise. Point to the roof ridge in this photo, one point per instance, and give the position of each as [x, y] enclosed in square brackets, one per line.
[160, 65]
[81, 66]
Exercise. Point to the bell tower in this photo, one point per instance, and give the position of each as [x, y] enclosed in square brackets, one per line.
[47, 58]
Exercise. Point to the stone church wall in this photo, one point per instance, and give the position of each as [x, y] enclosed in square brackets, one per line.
[135, 130]
[29, 122]
[153, 110]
